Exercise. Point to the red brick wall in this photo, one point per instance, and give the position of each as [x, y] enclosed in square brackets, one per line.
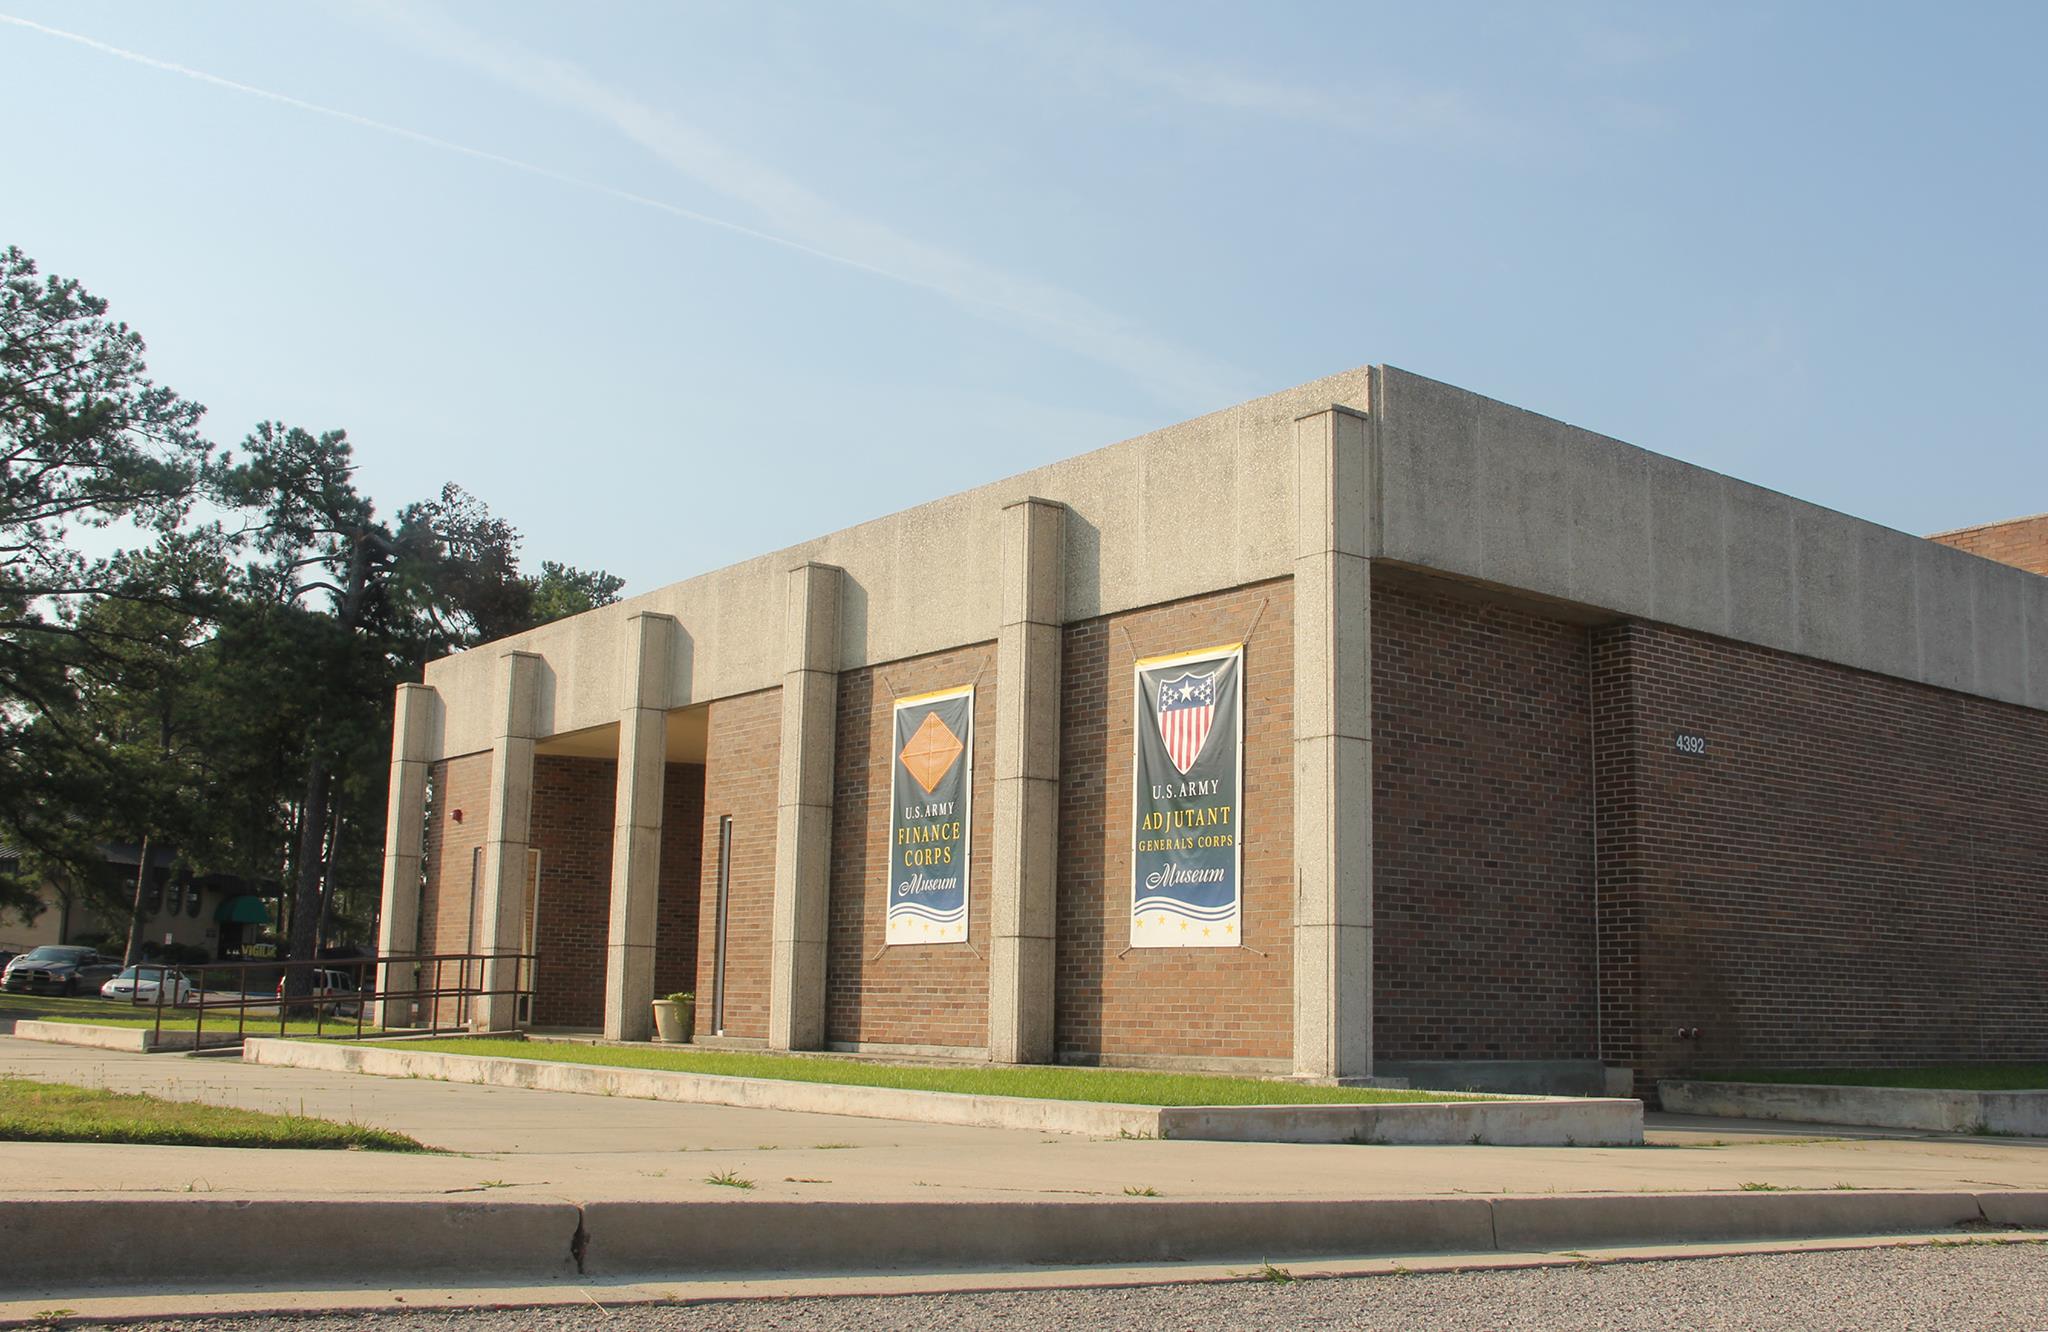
[573, 800]
[464, 784]
[740, 767]
[2022, 542]
[1211, 1002]
[682, 840]
[1482, 832]
[1851, 874]
[934, 994]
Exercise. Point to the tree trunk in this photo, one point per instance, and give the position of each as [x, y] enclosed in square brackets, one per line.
[306, 904]
[327, 877]
[133, 955]
[300, 945]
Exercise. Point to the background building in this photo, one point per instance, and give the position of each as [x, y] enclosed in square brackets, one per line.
[185, 917]
[1563, 764]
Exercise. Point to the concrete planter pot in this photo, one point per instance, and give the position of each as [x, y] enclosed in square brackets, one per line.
[673, 1020]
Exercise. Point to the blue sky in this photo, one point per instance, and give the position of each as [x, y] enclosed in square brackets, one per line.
[671, 285]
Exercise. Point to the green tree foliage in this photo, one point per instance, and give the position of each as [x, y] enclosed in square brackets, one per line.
[224, 688]
[561, 591]
[87, 441]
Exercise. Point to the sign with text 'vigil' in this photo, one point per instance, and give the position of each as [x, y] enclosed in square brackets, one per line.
[929, 817]
[1185, 820]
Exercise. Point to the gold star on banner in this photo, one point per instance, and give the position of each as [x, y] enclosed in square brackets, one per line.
[1205, 931]
[1183, 924]
[1230, 929]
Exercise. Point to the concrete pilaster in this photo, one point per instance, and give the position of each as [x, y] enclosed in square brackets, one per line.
[1025, 856]
[803, 823]
[636, 836]
[398, 922]
[510, 813]
[1333, 746]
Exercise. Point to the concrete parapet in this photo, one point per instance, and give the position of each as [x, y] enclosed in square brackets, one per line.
[2015, 1113]
[131, 1040]
[1519, 1121]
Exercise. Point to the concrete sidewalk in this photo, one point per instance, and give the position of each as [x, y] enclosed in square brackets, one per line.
[517, 1144]
[543, 1186]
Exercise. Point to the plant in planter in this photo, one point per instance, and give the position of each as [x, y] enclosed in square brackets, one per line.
[675, 1017]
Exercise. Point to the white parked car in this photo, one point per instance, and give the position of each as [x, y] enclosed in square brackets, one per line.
[332, 985]
[139, 985]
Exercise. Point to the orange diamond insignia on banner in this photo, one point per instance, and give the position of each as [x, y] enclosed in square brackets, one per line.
[931, 751]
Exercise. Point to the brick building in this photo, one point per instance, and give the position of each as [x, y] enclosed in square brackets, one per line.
[1563, 765]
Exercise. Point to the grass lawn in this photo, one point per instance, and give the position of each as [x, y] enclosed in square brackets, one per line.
[32, 1111]
[53, 1008]
[1051, 1083]
[1941, 1077]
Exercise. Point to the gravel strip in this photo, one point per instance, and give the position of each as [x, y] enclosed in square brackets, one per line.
[1948, 1287]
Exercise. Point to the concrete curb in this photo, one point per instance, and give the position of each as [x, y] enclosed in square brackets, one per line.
[129, 1040]
[50, 1246]
[2015, 1113]
[113, 1241]
[627, 1238]
[1523, 1121]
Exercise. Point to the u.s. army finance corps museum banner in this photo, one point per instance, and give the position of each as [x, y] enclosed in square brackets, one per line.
[929, 789]
[1185, 818]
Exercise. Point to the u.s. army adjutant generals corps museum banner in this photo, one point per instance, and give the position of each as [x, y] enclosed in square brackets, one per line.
[1189, 760]
[929, 789]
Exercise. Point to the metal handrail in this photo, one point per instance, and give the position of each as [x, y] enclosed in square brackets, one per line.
[473, 979]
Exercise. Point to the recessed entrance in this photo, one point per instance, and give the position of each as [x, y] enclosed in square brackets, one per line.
[572, 831]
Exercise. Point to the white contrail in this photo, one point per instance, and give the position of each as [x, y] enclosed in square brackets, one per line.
[1041, 309]
[480, 154]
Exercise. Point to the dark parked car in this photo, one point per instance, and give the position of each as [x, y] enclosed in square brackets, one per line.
[60, 969]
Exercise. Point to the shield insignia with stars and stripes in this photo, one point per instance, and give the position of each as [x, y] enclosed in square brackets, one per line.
[1185, 709]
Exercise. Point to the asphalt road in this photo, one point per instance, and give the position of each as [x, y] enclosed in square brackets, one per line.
[1948, 1287]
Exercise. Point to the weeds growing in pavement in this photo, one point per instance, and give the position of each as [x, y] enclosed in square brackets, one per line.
[729, 1180]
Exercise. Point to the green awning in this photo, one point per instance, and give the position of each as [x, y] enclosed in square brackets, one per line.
[248, 909]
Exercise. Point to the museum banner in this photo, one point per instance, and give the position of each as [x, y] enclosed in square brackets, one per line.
[930, 788]
[1189, 765]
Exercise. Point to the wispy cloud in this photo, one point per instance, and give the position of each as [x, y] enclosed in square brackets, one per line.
[1366, 102]
[430, 140]
[790, 208]
[792, 216]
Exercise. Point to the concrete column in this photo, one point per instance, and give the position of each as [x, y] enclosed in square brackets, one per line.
[1333, 746]
[1024, 885]
[398, 923]
[803, 823]
[510, 813]
[636, 835]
